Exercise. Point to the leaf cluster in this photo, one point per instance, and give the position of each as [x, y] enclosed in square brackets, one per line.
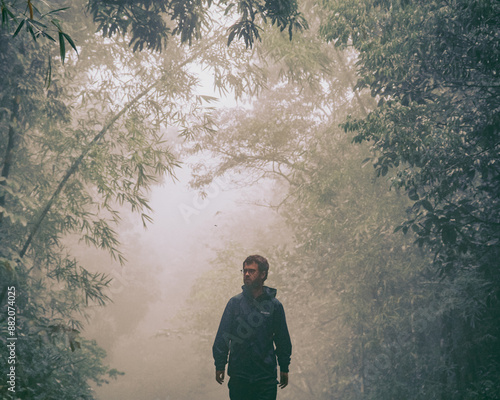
[38, 20]
[433, 68]
[151, 23]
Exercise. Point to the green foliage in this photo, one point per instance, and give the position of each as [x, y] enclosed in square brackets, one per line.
[52, 359]
[72, 156]
[37, 19]
[151, 23]
[391, 320]
[142, 18]
[346, 275]
[433, 68]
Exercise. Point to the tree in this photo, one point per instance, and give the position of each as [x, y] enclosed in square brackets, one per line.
[149, 27]
[51, 289]
[74, 153]
[150, 24]
[38, 19]
[433, 68]
[80, 143]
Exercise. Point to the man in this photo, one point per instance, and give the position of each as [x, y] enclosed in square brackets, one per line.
[252, 325]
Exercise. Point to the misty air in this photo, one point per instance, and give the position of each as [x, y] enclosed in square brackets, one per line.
[289, 199]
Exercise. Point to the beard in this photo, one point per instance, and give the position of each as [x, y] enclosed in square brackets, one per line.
[253, 284]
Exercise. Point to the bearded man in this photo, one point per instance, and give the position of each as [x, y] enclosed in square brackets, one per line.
[254, 334]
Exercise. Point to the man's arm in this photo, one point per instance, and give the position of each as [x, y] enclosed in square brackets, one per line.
[220, 349]
[283, 344]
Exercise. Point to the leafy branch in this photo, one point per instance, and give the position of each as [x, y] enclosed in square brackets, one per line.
[97, 138]
[36, 23]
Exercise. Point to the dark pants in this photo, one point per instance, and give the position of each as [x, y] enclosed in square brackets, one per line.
[240, 389]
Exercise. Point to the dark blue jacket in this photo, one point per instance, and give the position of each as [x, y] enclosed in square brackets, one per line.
[249, 331]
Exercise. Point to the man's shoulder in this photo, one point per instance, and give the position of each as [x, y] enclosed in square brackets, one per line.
[276, 303]
[271, 295]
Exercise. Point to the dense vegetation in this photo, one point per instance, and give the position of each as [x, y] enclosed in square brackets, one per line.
[389, 274]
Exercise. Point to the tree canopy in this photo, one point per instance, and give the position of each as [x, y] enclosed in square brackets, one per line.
[149, 24]
[433, 68]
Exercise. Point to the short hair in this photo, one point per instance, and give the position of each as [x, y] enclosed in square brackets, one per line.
[261, 262]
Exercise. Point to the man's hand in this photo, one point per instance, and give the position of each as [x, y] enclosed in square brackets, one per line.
[219, 377]
[283, 379]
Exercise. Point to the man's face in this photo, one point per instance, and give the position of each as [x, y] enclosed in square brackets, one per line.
[252, 277]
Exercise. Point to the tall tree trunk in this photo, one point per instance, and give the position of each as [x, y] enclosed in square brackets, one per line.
[9, 152]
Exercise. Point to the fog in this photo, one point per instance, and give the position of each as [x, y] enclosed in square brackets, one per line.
[138, 329]
[155, 145]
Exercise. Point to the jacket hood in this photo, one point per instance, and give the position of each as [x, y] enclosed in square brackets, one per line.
[271, 292]
[268, 291]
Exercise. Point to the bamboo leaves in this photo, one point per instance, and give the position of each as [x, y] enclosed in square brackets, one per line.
[34, 24]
